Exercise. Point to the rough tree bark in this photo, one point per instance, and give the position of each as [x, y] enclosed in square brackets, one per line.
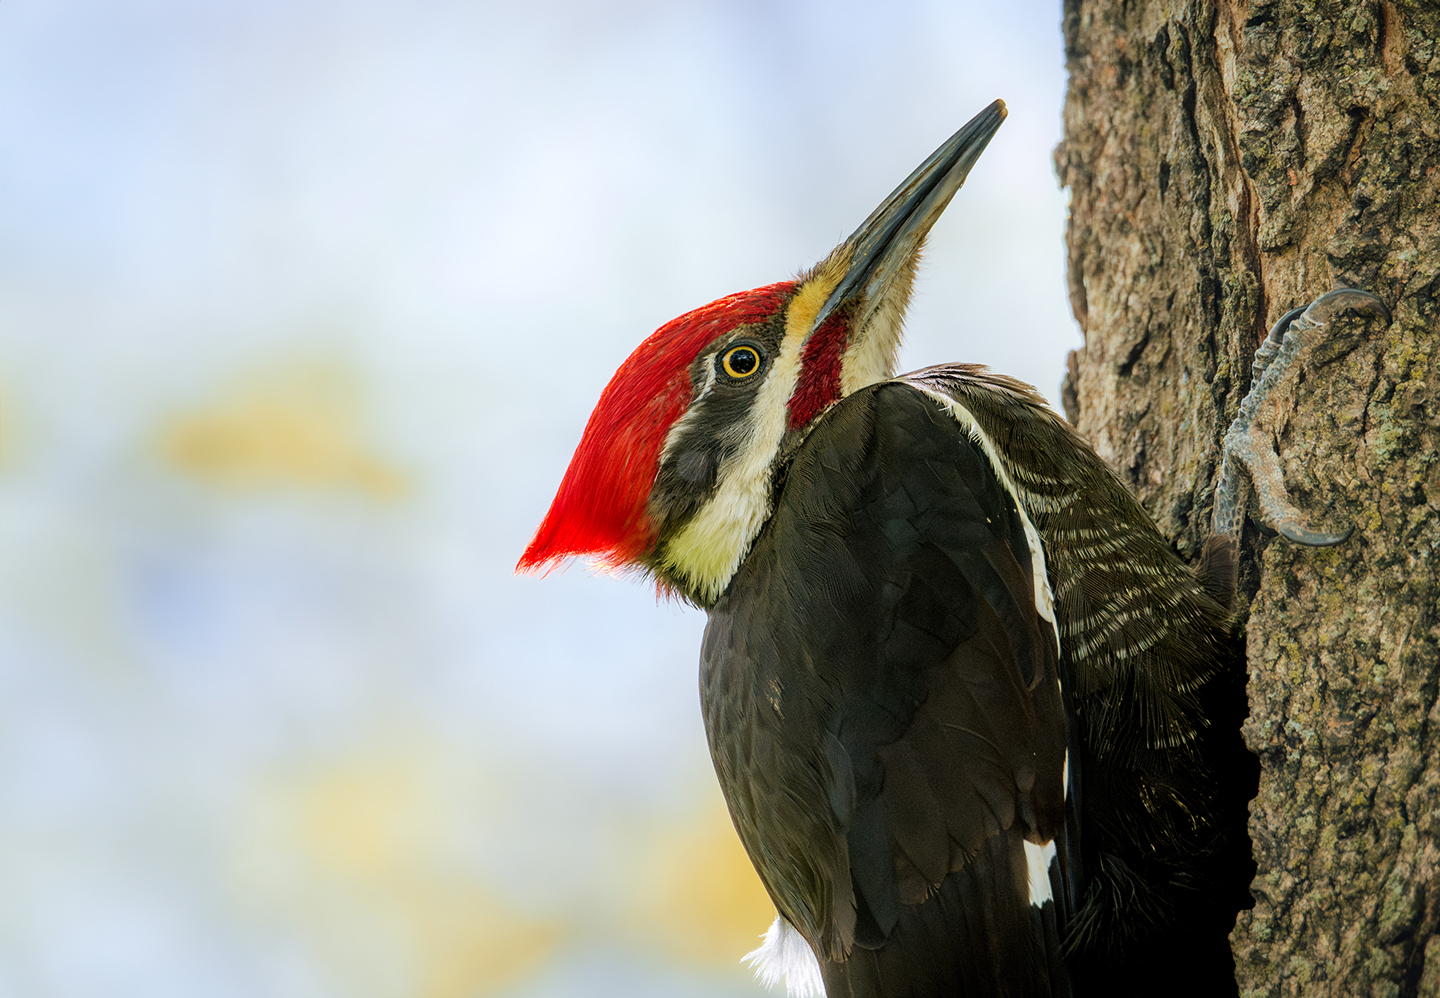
[1228, 161]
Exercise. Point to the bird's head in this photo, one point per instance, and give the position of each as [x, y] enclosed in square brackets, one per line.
[675, 473]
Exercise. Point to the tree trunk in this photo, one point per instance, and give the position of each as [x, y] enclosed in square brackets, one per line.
[1228, 162]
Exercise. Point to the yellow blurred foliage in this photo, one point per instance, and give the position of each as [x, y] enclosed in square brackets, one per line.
[365, 820]
[299, 428]
[368, 874]
[705, 902]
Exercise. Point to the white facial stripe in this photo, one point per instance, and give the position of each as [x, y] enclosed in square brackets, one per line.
[708, 549]
[870, 357]
[1037, 861]
[785, 953]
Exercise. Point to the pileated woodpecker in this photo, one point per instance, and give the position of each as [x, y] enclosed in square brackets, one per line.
[975, 721]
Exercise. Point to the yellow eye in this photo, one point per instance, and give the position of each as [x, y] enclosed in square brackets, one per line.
[740, 362]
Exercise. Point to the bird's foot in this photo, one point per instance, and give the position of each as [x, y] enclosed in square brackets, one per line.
[1247, 446]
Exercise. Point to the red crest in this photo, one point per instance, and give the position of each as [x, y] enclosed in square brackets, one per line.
[600, 506]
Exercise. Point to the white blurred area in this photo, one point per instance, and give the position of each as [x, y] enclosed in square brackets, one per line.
[303, 305]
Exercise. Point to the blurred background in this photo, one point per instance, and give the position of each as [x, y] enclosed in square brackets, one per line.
[303, 306]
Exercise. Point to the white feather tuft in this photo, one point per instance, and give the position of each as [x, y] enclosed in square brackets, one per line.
[1038, 859]
[785, 953]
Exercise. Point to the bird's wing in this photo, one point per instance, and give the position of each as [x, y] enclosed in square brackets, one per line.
[882, 696]
[1156, 688]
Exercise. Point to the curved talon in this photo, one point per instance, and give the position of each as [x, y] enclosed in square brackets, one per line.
[1271, 345]
[1276, 336]
[1277, 331]
[1245, 446]
[1311, 538]
[1320, 311]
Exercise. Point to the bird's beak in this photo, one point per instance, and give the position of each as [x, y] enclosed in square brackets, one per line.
[879, 258]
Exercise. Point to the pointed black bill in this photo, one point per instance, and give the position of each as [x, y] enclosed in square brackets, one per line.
[887, 241]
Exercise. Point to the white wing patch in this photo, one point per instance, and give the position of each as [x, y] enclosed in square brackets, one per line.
[1038, 860]
[785, 954]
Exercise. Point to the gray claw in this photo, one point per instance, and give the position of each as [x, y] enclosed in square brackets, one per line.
[1320, 311]
[1247, 446]
[1311, 538]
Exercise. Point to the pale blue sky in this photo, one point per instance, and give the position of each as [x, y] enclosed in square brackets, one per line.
[464, 216]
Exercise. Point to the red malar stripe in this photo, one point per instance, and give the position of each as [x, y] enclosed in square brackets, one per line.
[819, 382]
